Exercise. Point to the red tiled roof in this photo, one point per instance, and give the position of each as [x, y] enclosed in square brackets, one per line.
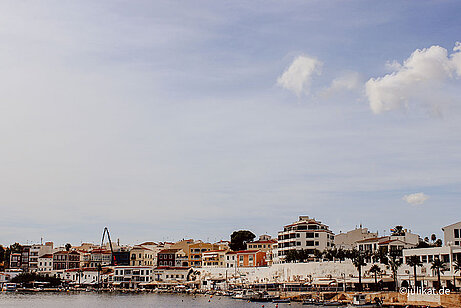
[264, 242]
[373, 239]
[47, 256]
[169, 251]
[243, 251]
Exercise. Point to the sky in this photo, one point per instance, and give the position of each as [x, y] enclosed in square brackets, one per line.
[165, 120]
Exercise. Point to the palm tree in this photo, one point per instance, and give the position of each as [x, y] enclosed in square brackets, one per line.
[438, 266]
[456, 269]
[99, 275]
[358, 259]
[375, 269]
[395, 262]
[414, 261]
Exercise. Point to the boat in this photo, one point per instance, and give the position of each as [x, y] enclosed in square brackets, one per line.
[281, 300]
[332, 303]
[244, 294]
[313, 302]
[9, 287]
[262, 297]
[359, 300]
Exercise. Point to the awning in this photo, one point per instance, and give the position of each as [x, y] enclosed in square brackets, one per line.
[329, 282]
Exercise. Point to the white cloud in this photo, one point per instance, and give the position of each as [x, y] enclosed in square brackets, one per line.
[416, 198]
[423, 77]
[298, 76]
[349, 81]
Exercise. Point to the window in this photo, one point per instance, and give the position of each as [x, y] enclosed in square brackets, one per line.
[424, 259]
[316, 243]
[456, 233]
[316, 235]
[310, 243]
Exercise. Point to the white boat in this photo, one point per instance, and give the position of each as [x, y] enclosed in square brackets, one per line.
[359, 300]
[244, 294]
[9, 287]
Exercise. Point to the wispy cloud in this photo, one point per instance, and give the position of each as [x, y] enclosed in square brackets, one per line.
[416, 198]
[349, 81]
[298, 76]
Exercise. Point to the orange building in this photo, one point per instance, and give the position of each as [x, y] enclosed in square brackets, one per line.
[246, 258]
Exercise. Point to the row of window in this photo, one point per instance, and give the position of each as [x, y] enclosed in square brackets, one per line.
[120, 272]
[431, 258]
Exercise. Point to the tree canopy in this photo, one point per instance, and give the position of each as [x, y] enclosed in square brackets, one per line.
[239, 239]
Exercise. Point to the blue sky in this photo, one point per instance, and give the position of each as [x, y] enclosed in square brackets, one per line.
[166, 120]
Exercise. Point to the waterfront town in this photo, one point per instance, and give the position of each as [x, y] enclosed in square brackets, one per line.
[305, 256]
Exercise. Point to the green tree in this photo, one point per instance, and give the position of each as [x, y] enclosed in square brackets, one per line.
[433, 238]
[2, 254]
[358, 259]
[375, 269]
[27, 278]
[439, 266]
[318, 254]
[398, 231]
[291, 256]
[414, 261]
[239, 239]
[340, 254]
[381, 256]
[68, 246]
[395, 262]
[438, 243]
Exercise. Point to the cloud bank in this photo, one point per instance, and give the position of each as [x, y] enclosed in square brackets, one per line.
[298, 76]
[423, 77]
[416, 198]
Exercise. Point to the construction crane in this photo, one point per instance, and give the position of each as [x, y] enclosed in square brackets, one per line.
[112, 257]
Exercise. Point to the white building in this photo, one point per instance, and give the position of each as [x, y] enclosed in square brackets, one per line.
[132, 276]
[349, 239]
[447, 254]
[36, 251]
[45, 264]
[306, 233]
[171, 274]
[452, 234]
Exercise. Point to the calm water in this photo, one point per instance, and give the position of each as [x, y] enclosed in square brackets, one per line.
[119, 300]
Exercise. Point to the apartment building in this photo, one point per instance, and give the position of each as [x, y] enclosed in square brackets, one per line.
[45, 264]
[245, 258]
[214, 258]
[452, 234]
[306, 233]
[36, 251]
[63, 260]
[265, 244]
[349, 239]
[131, 276]
[171, 274]
[196, 250]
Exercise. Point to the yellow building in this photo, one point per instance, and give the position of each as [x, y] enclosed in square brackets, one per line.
[196, 250]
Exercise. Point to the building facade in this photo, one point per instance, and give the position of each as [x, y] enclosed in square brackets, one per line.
[307, 234]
